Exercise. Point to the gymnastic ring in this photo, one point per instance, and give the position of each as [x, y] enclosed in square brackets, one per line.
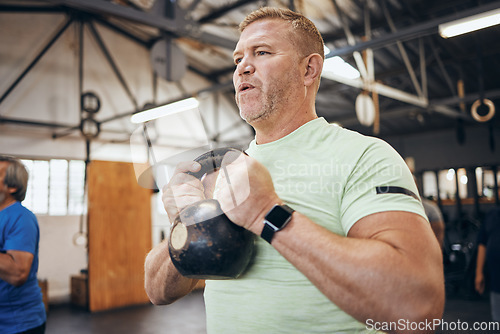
[486, 117]
[80, 239]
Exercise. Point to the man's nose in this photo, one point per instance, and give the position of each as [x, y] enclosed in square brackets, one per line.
[245, 67]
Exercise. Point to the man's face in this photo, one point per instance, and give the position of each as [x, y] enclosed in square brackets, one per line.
[267, 77]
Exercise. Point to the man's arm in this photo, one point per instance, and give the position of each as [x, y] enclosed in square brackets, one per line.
[15, 266]
[481, 259]
[163, 283]
[388, 268]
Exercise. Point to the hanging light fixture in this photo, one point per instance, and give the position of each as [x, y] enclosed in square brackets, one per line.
[168, 109]
[469, 24]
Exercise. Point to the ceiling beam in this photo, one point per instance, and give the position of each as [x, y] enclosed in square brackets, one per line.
[51, 42]
[417, 30]
[7, 120]
[379, 88]
[468, 98]
[30, 9]
[397, 94]
[179, 25]
[221, 11]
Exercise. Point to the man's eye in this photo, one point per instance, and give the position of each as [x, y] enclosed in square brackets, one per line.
[261, 53]
[237, 61]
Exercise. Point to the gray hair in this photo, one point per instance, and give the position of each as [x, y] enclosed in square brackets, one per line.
[16, 176]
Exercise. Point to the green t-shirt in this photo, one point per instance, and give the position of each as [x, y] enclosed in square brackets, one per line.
[331, 175]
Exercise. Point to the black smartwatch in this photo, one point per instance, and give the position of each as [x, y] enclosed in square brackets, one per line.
[275, 220]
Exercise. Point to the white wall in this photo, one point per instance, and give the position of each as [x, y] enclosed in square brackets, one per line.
[59, 258]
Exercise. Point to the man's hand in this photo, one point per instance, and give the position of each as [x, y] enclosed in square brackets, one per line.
[182, 190]
[245, 191]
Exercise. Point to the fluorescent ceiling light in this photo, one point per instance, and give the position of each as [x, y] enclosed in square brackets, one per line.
[168, 109]
[338, 66]
[471, 23]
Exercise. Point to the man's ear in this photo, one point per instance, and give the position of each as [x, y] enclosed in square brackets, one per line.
[11, 190]
[314, 66]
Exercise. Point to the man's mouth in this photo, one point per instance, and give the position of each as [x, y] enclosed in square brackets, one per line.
[244, 87]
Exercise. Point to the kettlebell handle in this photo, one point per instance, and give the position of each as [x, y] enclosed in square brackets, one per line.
[212, 161]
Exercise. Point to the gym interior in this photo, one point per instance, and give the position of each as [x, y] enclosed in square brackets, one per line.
[74, 74]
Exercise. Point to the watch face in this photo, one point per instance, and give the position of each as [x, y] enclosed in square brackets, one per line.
[278, 216]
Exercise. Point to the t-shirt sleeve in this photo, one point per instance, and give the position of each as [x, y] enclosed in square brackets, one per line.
[22, 235]
[380, 181]
[485, 230]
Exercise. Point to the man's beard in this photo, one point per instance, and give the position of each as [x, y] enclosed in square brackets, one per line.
[273, 100]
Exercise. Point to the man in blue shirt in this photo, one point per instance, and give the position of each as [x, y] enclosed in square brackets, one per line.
[21, 306]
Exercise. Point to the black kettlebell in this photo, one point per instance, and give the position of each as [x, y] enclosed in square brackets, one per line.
[203, 242]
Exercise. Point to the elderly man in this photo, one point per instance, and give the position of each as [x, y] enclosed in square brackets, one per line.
[21, 306]
[351, 249]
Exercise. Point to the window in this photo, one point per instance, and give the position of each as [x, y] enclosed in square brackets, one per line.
[55, 187]
[430, 185]
[486, 182]
[448, 183]
[463, 180]
[76, 188]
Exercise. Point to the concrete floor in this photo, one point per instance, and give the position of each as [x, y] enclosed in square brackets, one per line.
[187, 316]
[468, 311]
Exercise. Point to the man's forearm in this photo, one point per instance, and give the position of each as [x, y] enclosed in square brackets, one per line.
[481, 259]
[367, 278]
[6, 267]
[11, 271]
[163, 283]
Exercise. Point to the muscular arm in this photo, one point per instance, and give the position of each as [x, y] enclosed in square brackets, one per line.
[388, 268]
[15, 266]
[163, 283]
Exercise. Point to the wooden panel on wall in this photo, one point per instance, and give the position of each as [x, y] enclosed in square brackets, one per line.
[119, 235]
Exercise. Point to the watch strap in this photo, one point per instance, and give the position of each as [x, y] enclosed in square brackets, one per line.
[268, 232]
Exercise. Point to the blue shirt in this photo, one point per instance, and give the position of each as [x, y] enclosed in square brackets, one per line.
[21, 308]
